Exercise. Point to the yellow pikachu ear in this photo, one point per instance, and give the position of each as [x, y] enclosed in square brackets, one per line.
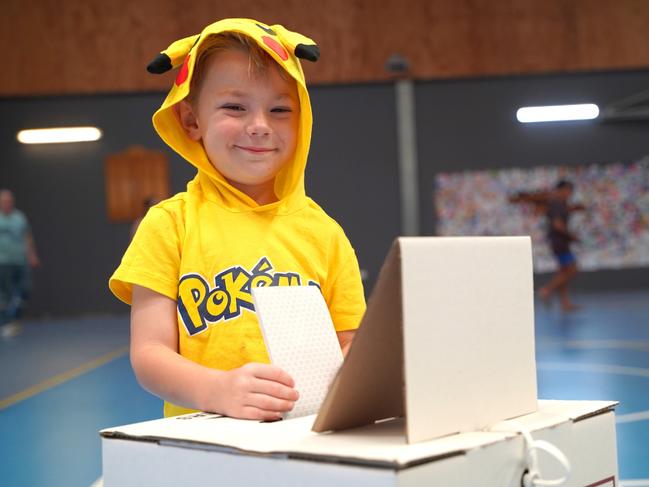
[173, 56]
[302, 46]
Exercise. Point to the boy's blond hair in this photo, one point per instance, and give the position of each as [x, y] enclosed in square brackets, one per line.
[259, 60]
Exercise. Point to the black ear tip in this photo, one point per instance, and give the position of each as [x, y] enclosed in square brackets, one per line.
[308, 52]
[161, 64]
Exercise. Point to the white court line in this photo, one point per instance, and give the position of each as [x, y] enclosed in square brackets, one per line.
[632, 417]
[641, 346]
[601, 368]
[604, 369]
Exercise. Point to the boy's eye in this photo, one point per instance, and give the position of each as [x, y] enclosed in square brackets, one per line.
[281, 110]
[233, 106]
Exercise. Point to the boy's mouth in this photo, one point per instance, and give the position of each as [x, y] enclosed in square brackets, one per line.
[255, 150]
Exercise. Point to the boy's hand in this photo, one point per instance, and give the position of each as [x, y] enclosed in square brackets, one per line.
[257, 391]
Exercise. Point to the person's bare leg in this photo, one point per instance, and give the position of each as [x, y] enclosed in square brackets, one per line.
[546, 291]
[559, 283]
[569, 273]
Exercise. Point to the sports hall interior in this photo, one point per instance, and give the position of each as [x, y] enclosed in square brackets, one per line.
[450, 73]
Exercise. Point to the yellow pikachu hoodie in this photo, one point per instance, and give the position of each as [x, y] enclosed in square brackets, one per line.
[207, 247]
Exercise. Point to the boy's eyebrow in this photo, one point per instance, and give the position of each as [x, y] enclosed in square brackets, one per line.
[242, 94]
[230, 92]
[284, 95]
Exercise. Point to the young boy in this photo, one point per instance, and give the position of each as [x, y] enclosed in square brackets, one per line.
[239, 111]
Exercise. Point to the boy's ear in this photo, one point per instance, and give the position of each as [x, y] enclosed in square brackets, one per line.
[188, 119]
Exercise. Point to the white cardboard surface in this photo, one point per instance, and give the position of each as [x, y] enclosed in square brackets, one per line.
[468, 314]
[301, 339]
[380, 443]
[213, 450]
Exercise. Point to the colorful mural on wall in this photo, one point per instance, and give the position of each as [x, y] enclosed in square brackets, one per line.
[613, 230]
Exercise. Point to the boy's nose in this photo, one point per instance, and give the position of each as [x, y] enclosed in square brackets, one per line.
[258, 125]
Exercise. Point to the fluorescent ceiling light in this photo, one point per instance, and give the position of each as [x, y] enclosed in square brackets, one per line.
[554, 113]
[59, 135]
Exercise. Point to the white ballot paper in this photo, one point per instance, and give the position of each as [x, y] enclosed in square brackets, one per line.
[301, 339]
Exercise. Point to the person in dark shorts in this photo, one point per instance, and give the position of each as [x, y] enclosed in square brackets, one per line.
[558, 211]
[555, 206]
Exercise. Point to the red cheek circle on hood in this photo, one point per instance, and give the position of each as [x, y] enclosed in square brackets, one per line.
[275, 46]
[184, 71]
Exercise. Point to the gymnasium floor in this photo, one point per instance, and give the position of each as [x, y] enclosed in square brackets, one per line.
[63, 380]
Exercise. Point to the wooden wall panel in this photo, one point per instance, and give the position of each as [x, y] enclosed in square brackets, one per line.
[131, 177]
[94, 46]
[613, 34]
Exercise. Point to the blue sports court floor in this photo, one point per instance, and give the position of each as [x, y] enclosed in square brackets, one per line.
[63, 380]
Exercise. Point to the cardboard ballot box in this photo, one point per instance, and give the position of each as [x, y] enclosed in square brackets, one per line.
[444, 357]
[202, 450]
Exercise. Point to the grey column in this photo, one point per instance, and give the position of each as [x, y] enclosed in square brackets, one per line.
[407, 143]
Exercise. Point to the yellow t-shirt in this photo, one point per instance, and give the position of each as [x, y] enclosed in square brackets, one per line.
[205, 248]
[207, 258]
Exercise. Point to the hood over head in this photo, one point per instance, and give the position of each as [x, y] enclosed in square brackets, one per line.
[284, 47]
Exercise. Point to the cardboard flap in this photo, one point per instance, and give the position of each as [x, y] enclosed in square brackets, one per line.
[369, 386]
[468, 310]
[447, 340]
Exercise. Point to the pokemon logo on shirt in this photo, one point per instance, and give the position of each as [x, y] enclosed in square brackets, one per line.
[200, 305]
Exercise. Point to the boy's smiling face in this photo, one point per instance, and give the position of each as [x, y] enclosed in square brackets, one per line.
[247, 121]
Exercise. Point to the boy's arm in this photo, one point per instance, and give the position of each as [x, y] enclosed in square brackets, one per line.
[345, 339]
[254, 391]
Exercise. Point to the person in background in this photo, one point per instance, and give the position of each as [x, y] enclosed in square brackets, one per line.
[17, 256]
[557, 209]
